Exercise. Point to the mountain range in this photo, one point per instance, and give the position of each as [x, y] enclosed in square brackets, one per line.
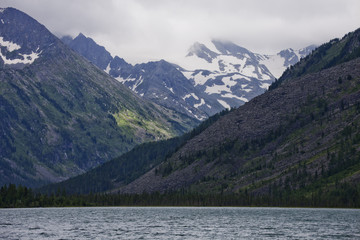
[70, 111]
[59, 114]
[301, 138]
[205, 82]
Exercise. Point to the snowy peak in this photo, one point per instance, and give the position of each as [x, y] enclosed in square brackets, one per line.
[201, 51]
[221, 57]
[227, 75]
[229, 48]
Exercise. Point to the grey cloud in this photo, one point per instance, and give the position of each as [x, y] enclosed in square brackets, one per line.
[143, 30]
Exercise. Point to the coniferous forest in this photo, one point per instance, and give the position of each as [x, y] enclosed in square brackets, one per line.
[343, 195]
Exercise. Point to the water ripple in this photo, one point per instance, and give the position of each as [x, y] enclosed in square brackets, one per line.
[179, 223]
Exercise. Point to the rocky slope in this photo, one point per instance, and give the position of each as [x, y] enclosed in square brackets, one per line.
[298, 133]
[61, 115]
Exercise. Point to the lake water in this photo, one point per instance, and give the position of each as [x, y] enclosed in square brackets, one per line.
[179, 223]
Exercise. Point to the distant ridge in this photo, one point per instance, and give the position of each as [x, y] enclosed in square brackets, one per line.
[208, 80]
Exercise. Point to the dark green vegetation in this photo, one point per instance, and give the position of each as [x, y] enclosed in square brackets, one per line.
[131, 165]
[344, 195]
[61, 116]
[296, 145]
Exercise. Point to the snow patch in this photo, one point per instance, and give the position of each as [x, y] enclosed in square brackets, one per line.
[217, 89]
[200, 79]
[186, 96]
[230, 62]
[189, 95]
[265, 85]
[27, 58]
[228, 81]
[11, 46]
[247, 90]
[229, 95]
[193, 62]
[263, 76]
[171, 89]
[187, 74]
[211, 46]
[275, 64]
[24, 58]
[138, 82]
[202, 102]
[200, 118]
[107, 70]
[120, 79]
[194, 96]
[249, 70]
[224, 104]
[124, 80]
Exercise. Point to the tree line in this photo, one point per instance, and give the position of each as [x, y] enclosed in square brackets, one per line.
[344, 195]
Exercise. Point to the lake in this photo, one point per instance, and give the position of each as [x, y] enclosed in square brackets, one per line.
[179, 223]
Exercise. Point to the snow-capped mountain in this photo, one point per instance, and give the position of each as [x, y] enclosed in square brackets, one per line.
[232, 74]
[207, 80]
[229, 73]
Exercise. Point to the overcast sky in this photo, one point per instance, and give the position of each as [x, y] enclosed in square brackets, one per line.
[144, 30]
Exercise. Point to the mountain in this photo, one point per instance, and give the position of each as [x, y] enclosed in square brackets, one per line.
[205, 82]
[232, 74]
[300, 138]
[157, 81]
[60, 115]
[89, 49]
